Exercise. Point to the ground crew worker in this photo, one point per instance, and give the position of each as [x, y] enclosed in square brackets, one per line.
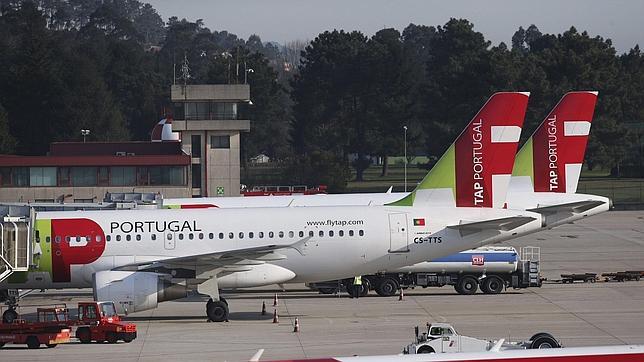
[357, 286]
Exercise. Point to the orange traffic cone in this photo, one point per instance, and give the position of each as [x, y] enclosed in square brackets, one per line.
[401, 296]
[276, 318]
[296, 328]
[275, 302]
[263, 308]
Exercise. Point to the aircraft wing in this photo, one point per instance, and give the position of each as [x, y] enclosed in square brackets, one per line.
[502, 224]
[572, 207]
[233, 260]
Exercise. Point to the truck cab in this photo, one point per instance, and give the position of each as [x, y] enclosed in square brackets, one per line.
[443, 338]
[99, 322]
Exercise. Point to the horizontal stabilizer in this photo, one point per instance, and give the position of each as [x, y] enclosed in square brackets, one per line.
[503, 224]
[572, 207]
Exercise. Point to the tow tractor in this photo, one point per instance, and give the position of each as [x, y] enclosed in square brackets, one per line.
[442, 338]
[97, 321]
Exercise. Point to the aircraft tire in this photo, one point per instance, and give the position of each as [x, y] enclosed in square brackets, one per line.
[217, 311]
[387, 287]
[9, 316]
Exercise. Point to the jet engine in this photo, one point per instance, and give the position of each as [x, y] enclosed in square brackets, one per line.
[247, 276]
[135, 291]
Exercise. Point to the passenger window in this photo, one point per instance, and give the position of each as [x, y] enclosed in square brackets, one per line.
[361, 232]
[231, 235]
[270, 234]
[128, 237]
[241, 235]
[118, 237]
[221, 235]
[88, 238]
[180, 236]
[48, 239]
[191, 236]
[281, 234]
[138, 237]
[169, 236]
[200, 235]
[211, 236]
[57, 238]
[291, 234]
[260, 234]
[341, 233]
[78, 239]
[67, 238]
[321, 233]
[350, 232]
[99, 238]
[108, 237]
[153, 236]
[331, 233]
[301, 233]
[250, 234]
[311, 233]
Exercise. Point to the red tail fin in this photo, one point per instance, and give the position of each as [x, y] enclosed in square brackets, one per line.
[559, 144]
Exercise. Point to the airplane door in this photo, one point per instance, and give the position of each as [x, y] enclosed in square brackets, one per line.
[169, 240]
[398, 233]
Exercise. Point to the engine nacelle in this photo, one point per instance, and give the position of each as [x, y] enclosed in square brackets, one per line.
[259, 275]
[135, 291]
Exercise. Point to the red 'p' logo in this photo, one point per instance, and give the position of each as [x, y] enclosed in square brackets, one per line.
[74, 241]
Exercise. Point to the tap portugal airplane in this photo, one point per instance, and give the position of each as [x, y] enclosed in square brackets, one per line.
[140, 258]
[544, 179]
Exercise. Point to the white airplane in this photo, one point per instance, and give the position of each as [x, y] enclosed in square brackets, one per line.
[139, 258]
[544, 180]
[627, 353]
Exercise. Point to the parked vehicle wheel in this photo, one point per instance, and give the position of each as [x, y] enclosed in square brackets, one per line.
[425, 349]
[543, 340]
[84, 335]
[52, 345]
[468, 285]
[111, 337]
[33, 342]
[127, 338]
[386, 287]
[492, 285]
[9, 316]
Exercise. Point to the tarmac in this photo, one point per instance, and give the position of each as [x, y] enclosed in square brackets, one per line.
[581, 314]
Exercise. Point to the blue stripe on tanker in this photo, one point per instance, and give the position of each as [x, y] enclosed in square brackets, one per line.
[466, 257]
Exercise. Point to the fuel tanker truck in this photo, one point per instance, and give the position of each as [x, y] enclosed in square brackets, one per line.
[491, 269]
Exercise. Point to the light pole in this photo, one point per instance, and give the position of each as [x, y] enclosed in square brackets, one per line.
[85, 133]
[405, 147]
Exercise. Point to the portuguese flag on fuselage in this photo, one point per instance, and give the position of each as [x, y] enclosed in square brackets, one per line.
[419, 222]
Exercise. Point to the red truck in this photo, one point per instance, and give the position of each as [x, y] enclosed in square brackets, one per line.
[97, 321]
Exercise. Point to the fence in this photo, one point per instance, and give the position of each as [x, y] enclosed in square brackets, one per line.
[623, 192]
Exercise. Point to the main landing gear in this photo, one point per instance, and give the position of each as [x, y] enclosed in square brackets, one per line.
[11, 299]
[217, 310]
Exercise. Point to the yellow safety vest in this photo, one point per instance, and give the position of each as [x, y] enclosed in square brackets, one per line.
[357, 280]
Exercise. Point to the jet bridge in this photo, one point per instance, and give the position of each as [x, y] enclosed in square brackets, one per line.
[16, 249]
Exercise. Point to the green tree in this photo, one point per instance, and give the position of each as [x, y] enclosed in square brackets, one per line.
[7, 142]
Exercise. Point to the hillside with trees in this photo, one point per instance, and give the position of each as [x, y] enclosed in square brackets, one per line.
[321, 108]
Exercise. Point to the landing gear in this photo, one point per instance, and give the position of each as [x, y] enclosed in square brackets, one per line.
[9, 315]
[217, 311]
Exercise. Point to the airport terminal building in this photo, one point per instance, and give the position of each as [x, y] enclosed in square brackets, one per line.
[195, 154]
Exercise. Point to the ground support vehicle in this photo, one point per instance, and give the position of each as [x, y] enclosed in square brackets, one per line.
[443, 338]
[492, 269]
[622, 276]
[98, 321]
[585, 277]
[50, 328]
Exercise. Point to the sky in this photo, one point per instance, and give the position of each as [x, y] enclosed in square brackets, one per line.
[286, 20]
